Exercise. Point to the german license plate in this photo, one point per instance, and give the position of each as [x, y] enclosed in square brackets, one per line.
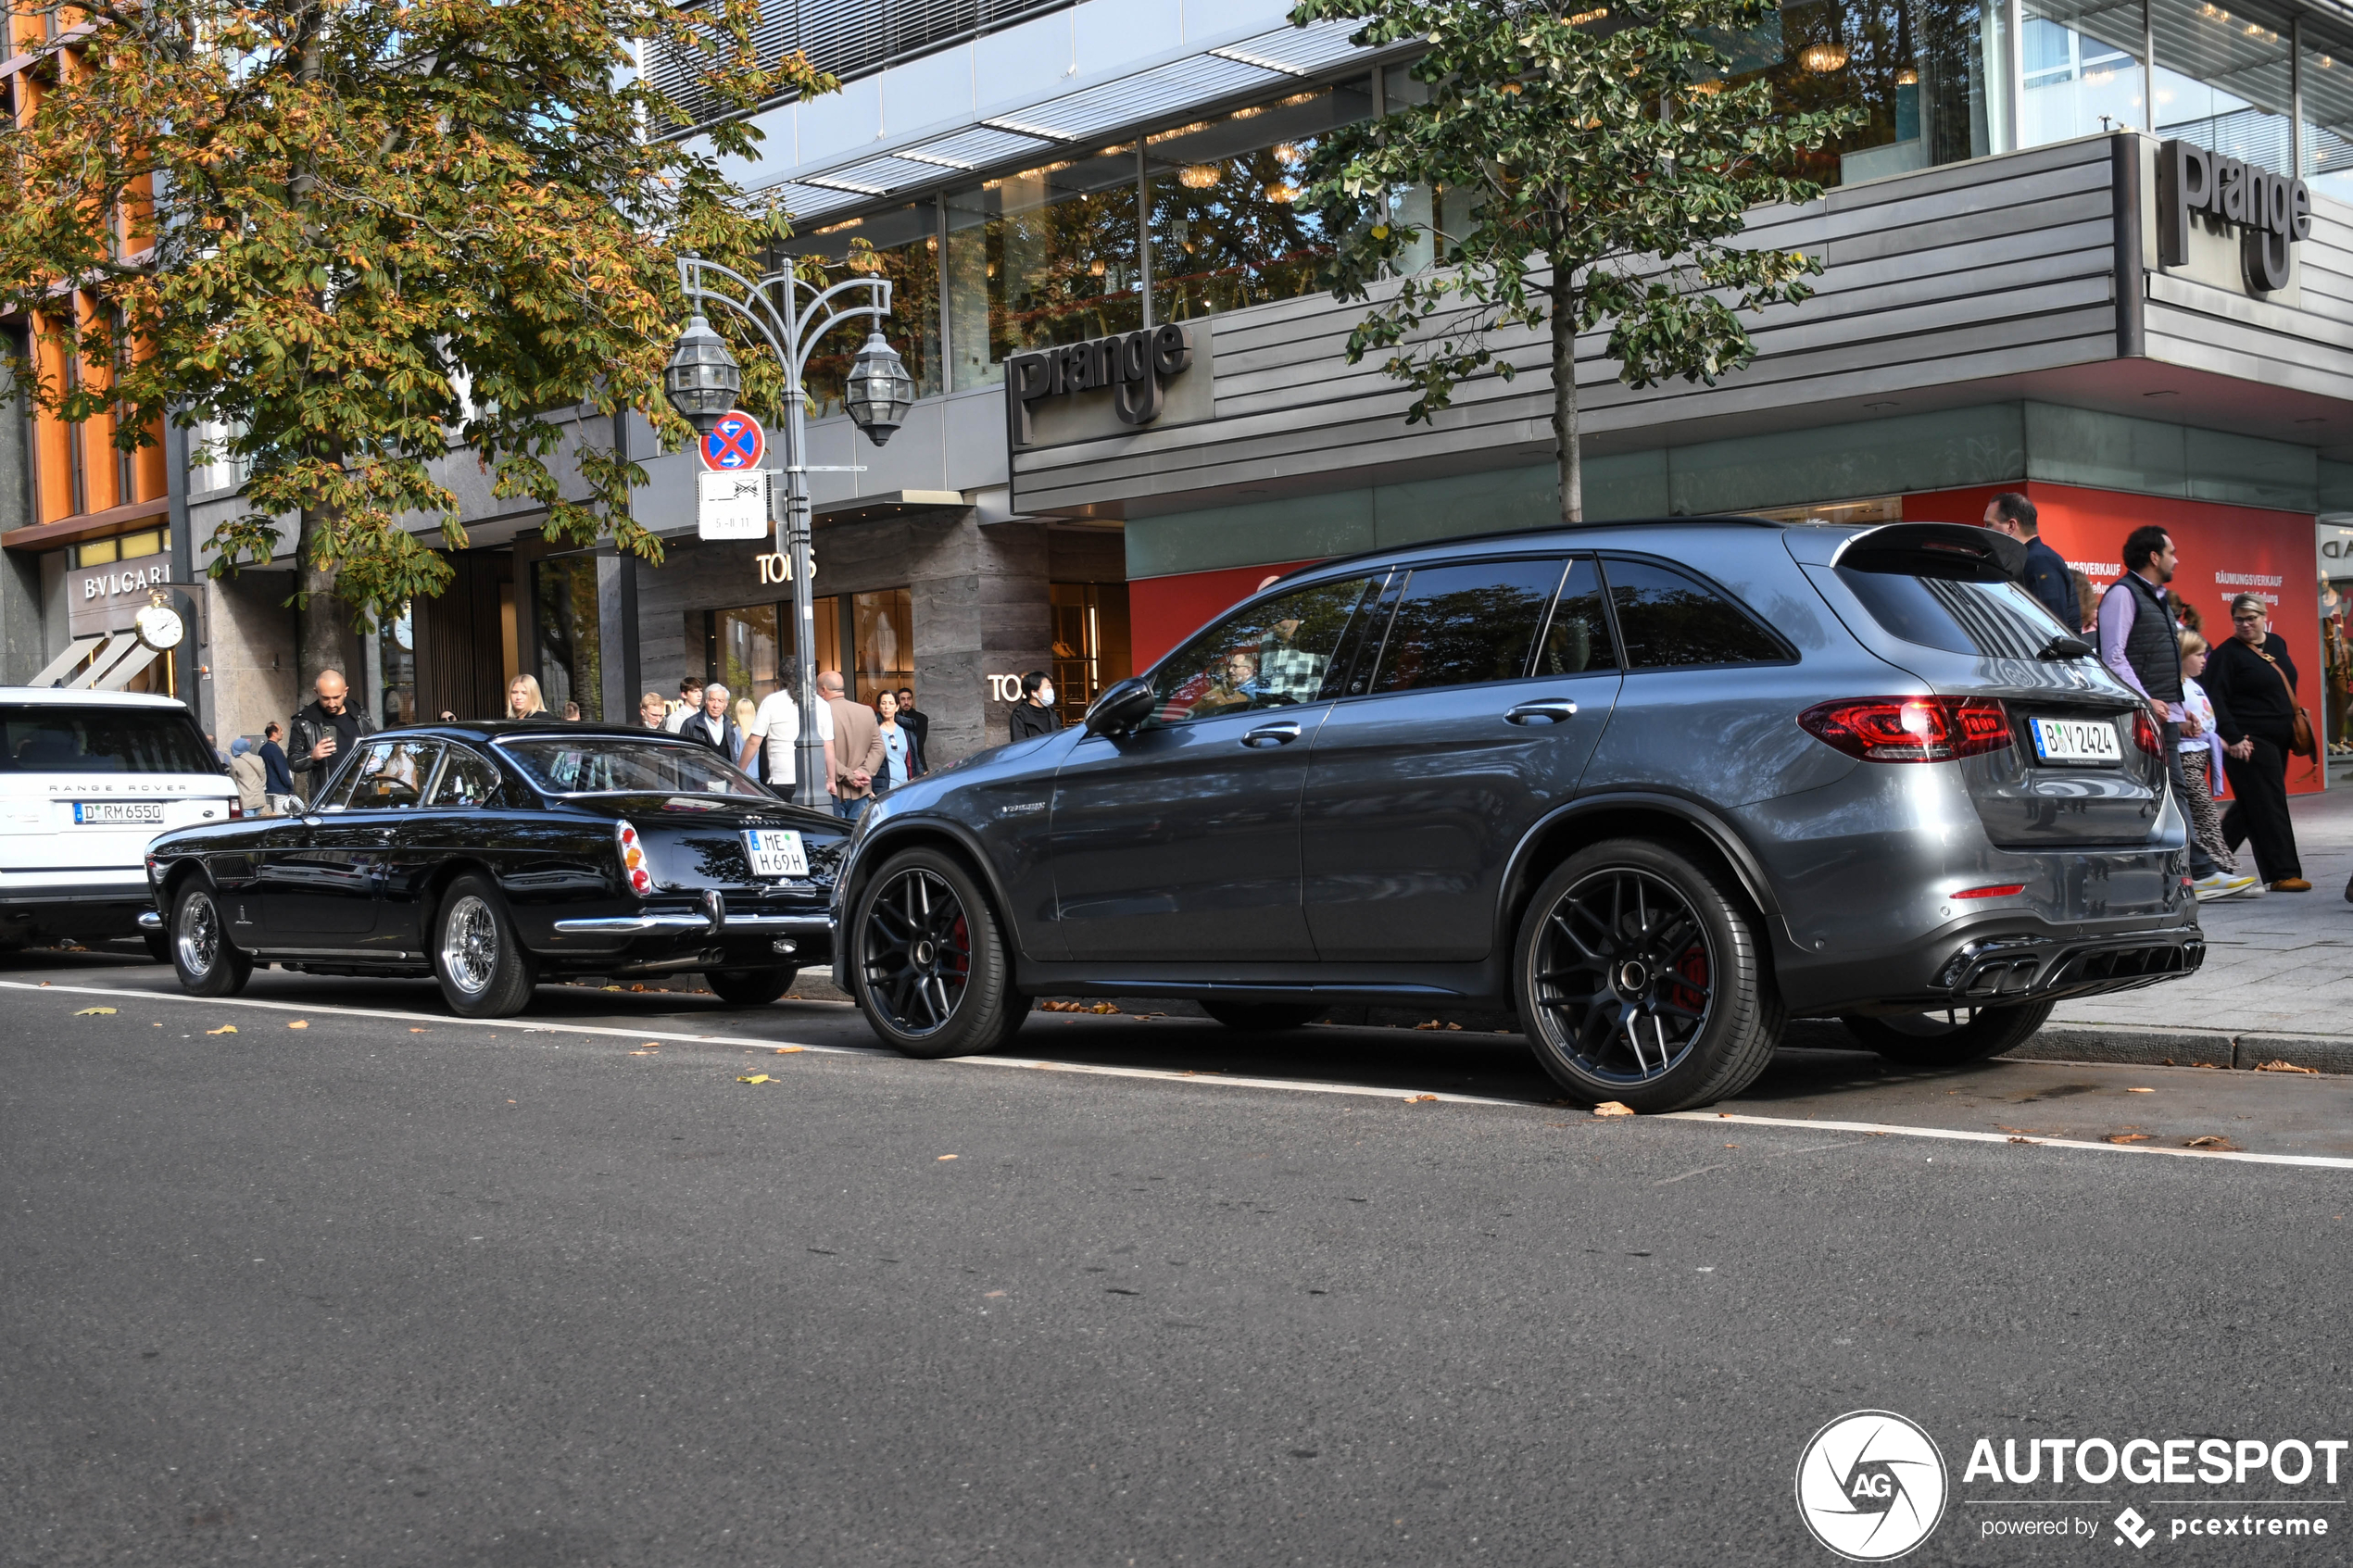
[776, 852]
[101, 813]
[2077, 740]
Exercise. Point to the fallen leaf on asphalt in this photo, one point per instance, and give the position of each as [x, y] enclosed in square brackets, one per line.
[1434, 1024]
[788, 1050]
[300, 1023]
[2266, 1067]
[225, 1029]
[641, 1053]
[990, 1294]
[1418, 1100]
[612, 988]
[2016, 1139]
[1613, 1108]
[94, 1012]
[1105, 1007]
[756, 1078]
[2211, 1140]
[2128, 1137]
[636, 988]
[418, 1031]
[2140, 1091]
[946, 1157]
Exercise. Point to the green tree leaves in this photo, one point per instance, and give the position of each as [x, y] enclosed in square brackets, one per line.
[1601, 165]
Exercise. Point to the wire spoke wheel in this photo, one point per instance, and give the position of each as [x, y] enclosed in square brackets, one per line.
[470, 944]
[1624, 976]
[917, 952]
[200, 935]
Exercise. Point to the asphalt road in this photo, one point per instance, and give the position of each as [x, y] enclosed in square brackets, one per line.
[393, 1289]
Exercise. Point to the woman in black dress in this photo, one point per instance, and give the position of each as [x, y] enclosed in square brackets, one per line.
[2252, 683]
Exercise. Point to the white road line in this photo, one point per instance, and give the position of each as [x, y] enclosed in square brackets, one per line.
[1720, 1118]
[1225, 1079]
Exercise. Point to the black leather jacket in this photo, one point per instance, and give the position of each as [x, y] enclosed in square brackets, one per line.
[310, 727]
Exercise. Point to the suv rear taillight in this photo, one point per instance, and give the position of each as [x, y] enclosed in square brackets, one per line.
[1910, 729]
[633, 859]
[2145, 734]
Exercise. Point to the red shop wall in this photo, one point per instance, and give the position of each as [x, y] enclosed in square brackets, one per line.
[2224, 550]
[1163, 611]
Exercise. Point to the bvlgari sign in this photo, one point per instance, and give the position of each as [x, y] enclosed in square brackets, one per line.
[2271, 211]
[1131, 365]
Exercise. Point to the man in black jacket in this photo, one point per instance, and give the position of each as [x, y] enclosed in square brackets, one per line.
[322, 733]
[2251, 680]
[2046, 575]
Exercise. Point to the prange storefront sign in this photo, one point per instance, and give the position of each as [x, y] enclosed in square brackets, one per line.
[2270, 210]
[1130, 364]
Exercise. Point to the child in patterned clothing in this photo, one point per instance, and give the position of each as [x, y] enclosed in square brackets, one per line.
[2202, 755]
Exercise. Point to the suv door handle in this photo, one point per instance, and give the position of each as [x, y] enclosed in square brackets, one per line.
[1543, 711]
[1282, 734]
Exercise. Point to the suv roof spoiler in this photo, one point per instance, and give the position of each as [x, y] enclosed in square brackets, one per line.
[1958, 551]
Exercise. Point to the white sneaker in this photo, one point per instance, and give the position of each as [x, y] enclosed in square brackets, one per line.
[2222, 884]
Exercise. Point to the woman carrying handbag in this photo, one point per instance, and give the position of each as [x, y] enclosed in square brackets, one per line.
[2251, 682]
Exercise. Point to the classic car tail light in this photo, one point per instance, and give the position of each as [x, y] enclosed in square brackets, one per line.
[2146, 734]
[1910, 729]
[236, 809]
[632, 858]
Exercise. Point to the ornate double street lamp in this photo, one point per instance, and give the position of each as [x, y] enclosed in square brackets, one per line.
[703, 382]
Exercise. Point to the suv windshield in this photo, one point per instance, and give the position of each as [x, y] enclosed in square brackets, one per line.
[1991, 620]
[625, 765]
[39, 739]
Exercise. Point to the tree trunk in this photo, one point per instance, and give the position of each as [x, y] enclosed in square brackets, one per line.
[318, 619]
[1563, 291]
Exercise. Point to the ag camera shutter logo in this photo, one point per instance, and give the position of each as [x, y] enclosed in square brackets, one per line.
[1871, 1486]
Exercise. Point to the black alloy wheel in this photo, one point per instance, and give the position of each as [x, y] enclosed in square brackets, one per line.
[1264, 1018]
[929, 961]
[1641, 980]
[1955, 1037]
[484, 969]
[749, 987]
[208, 964]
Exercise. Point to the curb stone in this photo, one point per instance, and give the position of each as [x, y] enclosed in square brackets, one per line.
[2184, 1048]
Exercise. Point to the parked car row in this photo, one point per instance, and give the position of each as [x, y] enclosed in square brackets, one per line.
[1656, 787]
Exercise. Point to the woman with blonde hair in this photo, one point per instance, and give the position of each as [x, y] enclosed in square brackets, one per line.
[2202, 757]
[524, 700]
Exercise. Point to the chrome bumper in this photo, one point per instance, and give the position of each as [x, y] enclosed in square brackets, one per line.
[150, 921]
[639, 925]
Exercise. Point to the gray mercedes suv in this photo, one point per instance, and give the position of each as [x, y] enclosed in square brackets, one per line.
[1658, 786]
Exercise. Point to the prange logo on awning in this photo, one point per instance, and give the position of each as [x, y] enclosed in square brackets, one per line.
[1130, 364]
[2270, 210]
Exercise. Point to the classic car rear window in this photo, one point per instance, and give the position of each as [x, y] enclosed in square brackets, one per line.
[1990, 620]
[39, 738]
[611, 765]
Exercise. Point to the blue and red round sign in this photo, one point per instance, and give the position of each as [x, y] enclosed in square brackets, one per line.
[737, 446]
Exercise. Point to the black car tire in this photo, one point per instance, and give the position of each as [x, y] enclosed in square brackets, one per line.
[1955, 1039]
[1631, 951]
[158, 946]
[1264, 1018]
[208, 964]
[930, 962]
[484, 969]
[749, 987]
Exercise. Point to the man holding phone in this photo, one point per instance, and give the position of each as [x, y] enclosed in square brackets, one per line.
[322, 731]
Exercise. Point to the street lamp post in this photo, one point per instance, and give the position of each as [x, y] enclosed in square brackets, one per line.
[702, 382]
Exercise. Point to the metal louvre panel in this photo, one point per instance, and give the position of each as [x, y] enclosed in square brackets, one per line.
[1303, 49]
[1178, 86]
[877, 175]
[976, 147]
[812, 201]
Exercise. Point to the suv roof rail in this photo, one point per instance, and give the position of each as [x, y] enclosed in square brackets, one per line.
[1741, 520]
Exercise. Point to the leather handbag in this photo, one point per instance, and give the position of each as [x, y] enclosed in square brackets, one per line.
[2300, 741]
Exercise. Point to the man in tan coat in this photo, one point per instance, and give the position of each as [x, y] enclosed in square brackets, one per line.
[854, 749]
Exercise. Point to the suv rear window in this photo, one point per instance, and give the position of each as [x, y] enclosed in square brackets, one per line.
[1989, 620]
[39, 739]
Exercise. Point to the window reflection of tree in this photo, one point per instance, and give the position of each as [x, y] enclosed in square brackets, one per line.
[1045, 287]
[1243, 239]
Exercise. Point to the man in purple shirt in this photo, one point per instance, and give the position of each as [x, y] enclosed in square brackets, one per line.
[2140, 647]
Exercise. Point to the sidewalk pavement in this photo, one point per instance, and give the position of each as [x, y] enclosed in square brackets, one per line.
[2277, 984]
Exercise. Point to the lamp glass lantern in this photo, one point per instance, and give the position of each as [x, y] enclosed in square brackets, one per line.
[703, 379]
[879, 391]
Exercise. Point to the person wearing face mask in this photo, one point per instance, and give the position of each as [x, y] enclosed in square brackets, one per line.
[1035, 714]
[2251, 679]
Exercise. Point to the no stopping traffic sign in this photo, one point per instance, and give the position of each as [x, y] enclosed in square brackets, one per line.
[737, 443]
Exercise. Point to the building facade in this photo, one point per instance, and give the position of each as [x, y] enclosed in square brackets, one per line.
[1136, 404]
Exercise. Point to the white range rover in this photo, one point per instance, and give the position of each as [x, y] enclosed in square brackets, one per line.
[87, 778]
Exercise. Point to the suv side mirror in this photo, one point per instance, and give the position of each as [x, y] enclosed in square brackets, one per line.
[1121, 708]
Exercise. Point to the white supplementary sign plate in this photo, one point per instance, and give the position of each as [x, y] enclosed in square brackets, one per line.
[732, 506]
[2077, 740]
[776, 852]
[99, 813]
